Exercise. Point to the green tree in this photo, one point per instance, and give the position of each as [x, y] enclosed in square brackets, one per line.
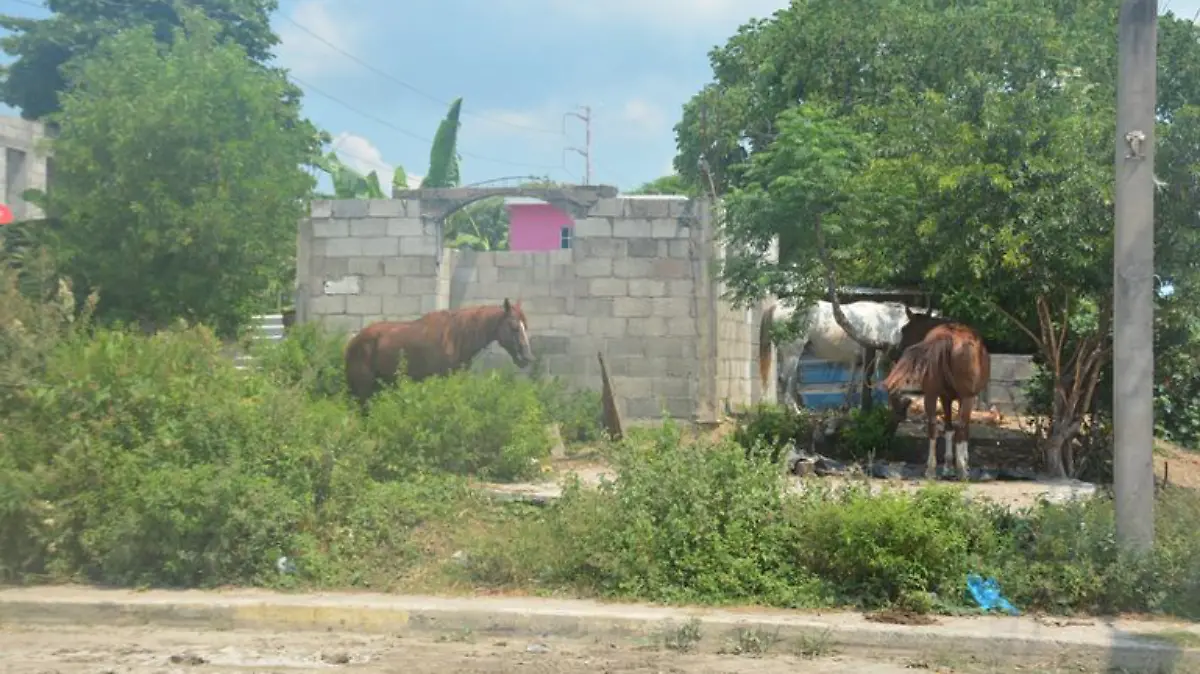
[179, 186]
[965, 148]
[35, 79]
[668, 184]
[443, 154]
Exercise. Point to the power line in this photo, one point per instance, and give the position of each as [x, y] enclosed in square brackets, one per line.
[310, 88]
[383, 122]
[406, 85]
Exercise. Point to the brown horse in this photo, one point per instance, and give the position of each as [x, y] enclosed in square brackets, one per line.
[436, 343]
[948, 361]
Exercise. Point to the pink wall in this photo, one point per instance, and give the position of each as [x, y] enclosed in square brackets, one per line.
[536, 226]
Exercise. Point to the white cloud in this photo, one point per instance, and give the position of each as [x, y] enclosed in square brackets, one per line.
[309, 57]
[361, 155]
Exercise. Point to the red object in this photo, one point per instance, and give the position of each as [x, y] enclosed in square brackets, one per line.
[6, 215]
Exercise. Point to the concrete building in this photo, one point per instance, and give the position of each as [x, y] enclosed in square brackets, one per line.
[26, 164]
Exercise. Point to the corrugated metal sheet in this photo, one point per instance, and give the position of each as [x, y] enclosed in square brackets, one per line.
[823, 384]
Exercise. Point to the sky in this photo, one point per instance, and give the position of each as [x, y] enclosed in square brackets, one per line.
[520, 66]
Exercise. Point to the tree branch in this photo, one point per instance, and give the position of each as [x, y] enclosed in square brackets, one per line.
[832, 286]
[1017, 322]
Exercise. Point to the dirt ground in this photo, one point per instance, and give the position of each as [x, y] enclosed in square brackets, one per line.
[142, 650]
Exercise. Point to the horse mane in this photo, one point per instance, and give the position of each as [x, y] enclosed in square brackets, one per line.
[931, 355]
[470, 329]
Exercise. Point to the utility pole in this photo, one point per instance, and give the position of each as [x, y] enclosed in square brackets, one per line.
[1133, 266]
[586, 151]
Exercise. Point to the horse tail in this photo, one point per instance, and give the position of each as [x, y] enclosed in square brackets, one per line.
[360, 366]
[917, 360]
[765, 345]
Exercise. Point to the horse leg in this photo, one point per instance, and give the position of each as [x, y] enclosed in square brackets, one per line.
[931, 428]
[947, 432]
[963, 435]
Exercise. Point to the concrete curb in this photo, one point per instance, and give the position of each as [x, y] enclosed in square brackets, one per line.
[1132, 646]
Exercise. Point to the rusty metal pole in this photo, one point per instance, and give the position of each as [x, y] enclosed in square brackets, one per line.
[1133, 266]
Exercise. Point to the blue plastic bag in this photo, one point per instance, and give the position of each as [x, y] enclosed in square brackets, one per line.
[987, 594]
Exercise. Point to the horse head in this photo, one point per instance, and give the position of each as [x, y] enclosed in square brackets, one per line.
[513, 334]
[919, 324]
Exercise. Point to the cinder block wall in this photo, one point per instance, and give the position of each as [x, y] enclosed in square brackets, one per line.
[637, 286]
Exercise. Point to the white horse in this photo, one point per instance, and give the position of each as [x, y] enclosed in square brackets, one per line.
[876, 321]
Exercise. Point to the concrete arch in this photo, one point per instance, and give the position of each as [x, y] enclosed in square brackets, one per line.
[439, 203]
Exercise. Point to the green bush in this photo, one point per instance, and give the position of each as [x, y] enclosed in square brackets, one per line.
[309, 357]
[490, 425]
[681, 523]
[768, 430]
[579, 413]
[154, 460]
[865, 434]
[877, 550]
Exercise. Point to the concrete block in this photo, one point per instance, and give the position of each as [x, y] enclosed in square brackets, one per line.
[385, 208]
[606, 327]
[345, 285]
[671, 307]
[380, 246]
[402, 226]
[633, 268]
[671, 388]
[626, 346]
[666, 228]
[647, 208]
[364, 304]
[344, 246]
[679, 408]
[630, 387]
[606, 208]
[381, 285]
[600, 248]
[350, 208]
[429, 303]
[593, 227]
[551, 273]
[510, 259]
[417, 245]
[672, 269]
[488, 275]
[517, 274]
[325, 305]
[374, 227]
[682, 327]
[632, 307]
[645, 248]
[644, 407]
[630, 229]
[596, 307]
[678, 208]
[548, 345]
[328, 229]
[401, 305]
[680, 249]
[667, 347]
[679, 367]
[364, 266]
[608, 287]
[647, 288]
[418, 285]
[343, 323]
[594, 267]
[320, 208]
[685, 288]
[625, 366]
[330, 267]
[650, 326]
[410, 265]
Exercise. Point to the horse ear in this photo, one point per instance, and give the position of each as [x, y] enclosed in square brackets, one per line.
[909, 313]
[507, 306]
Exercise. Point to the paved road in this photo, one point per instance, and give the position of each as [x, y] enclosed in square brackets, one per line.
[140, 650]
